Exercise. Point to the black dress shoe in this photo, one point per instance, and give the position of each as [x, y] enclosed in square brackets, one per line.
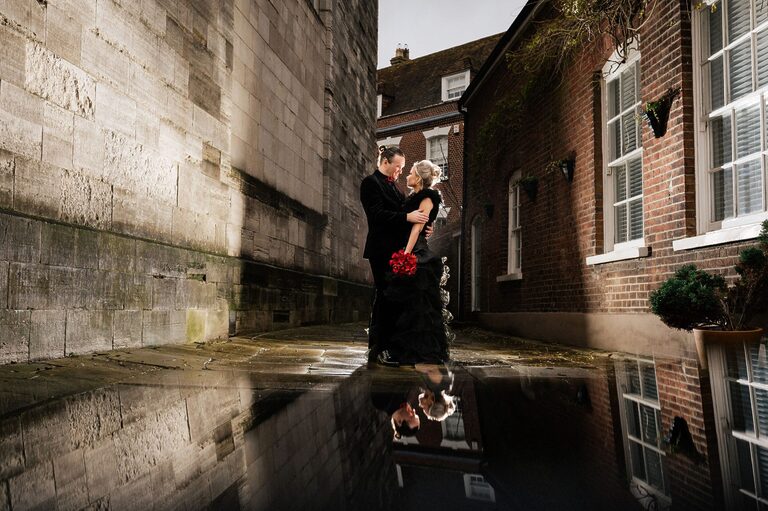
[384, 358]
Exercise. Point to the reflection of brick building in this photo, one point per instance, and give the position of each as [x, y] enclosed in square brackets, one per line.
[418, 111]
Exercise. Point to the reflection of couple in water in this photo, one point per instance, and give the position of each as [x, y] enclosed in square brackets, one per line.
[407, 320]
[410, 395]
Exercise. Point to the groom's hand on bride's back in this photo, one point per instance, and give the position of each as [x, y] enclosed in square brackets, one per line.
[428, 231]
[417, 217]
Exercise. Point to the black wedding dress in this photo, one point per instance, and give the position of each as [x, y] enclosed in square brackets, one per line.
[420, 331]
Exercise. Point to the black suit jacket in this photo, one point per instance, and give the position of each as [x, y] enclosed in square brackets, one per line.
[383, 206]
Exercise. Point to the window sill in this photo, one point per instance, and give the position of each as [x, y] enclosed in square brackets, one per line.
[743, 233]
[509, 276]
[619, 255]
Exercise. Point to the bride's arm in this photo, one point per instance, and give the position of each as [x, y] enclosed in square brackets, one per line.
[425, 207]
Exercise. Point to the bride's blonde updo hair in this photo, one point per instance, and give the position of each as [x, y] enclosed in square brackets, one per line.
[428, 172]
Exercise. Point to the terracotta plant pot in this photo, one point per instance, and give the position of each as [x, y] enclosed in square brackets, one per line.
[722, 337]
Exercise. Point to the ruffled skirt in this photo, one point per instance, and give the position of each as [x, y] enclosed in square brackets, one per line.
[420, 332]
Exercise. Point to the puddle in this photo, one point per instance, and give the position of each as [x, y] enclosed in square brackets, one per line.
[299, 425]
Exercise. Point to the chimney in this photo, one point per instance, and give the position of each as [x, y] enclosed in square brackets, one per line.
[401, 55]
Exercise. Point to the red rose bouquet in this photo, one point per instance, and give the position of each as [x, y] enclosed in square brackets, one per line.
[403, 264]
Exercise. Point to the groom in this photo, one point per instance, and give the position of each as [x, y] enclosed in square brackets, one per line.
[383, 204]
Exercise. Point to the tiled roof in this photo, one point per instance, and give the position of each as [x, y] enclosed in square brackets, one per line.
[416, 83]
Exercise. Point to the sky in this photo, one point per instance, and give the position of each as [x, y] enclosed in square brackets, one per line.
[427, 26]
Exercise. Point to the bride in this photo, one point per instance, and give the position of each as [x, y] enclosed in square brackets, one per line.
[420, 334]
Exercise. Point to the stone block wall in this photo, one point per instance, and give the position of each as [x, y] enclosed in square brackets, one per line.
[165, 172]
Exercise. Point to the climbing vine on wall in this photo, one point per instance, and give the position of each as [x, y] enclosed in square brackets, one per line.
[539, 61]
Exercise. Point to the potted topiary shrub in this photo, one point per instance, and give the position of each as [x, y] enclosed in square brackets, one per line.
[693, 299]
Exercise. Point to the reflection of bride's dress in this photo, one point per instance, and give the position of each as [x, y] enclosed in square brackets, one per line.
[420, 330]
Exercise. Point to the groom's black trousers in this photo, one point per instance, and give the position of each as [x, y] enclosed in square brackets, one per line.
[381, 321]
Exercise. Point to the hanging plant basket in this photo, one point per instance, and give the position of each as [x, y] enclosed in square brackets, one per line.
[657, 112]
[530, 185]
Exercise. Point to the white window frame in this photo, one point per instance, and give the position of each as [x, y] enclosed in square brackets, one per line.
[514, 231]
[379, 105]
[444, 85]
[639, 488]
[435, 135]
[615, 251]
[726, 437]
[728, 230]
[475, 243]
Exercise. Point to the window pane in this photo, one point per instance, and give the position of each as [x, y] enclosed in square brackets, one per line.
[757, 359]
[438, 149]
[633, 377]
[648, 373]
[735, 362]
[750, 187]
[745, 466]
[747, 131]
[648, 422]
[716, 83]
[613, 98]
[628, 95]
[761, 403]
[633, 418]
[722, 194]
[629, 130]
[715, 19]
[638, 460]
[721, 140]
[762, 55]
[621, 183]
[762, 468]
[738, 18]
[621, 223]
[761, 12]
[513, 208]
[614, 138]
[741, 407]
[636, 219]
[635, 170]
[655, 477]
[740, 62]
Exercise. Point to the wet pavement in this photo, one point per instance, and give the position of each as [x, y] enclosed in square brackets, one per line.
[296, 420]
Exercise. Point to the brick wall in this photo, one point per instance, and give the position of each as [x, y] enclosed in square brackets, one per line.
[160, 130]
[564, 224]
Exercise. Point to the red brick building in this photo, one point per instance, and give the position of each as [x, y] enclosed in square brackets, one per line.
[418, 111]
[576, 260]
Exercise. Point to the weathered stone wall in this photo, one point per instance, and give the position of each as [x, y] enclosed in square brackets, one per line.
[168, 170]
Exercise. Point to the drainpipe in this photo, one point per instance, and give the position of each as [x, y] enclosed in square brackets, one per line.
[462, 211]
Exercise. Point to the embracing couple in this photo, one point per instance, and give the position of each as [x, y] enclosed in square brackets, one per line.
[407, 325]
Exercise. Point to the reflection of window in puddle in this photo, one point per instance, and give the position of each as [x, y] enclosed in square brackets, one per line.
[476, 488]
[641, 430]
[739, 376]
